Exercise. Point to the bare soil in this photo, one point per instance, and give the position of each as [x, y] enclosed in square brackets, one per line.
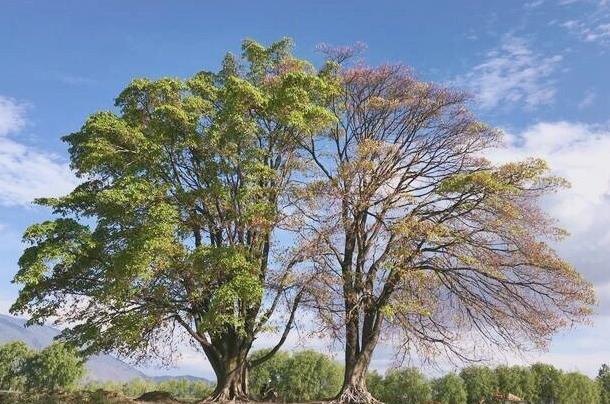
[99, 397]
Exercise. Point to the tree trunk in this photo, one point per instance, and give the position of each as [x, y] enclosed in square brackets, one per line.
[354, 389]
[358, 354]
[232, 382]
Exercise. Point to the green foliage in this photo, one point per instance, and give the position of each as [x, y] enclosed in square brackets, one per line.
[405, 386]
[374, 383]
[271, 371]
[516, 380]
[450, 389]
[179, 388]
[179, 198]
[548, 382]
[481, 383]
[303, 376]
[578, 388]
[13, 356]
[310, 375]
[603, 381]
[55, 367]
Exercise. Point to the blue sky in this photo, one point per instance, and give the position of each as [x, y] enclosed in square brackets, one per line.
[538, 69]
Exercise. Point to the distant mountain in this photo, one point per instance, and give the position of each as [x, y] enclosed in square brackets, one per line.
[99, 367]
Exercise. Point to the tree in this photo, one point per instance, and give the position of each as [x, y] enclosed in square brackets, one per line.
[516, 380]
[270, 372]
[55, 367]
[310, 375]
[421, 236]
[450, 389]
[174, 226]
[481, 383]
[548, 381]
[603, 380]
[405, 386]
[303, 376]
[578, 388]
[13, 357]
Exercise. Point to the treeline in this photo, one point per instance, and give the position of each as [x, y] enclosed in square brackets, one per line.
[309, 375]
[539, 383]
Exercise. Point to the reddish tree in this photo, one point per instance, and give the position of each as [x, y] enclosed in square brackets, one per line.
[422, 237]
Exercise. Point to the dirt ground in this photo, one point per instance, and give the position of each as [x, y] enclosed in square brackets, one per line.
[84, 397]
[95, 397]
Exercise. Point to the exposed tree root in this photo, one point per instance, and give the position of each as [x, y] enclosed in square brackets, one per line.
[355, 395]
[227, 397]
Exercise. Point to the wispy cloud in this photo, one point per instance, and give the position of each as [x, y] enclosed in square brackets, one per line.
[587, 100]
[533, 4]
[12, 115]
[512, 74]
[76, 80]
[25, 172]
[591, 23]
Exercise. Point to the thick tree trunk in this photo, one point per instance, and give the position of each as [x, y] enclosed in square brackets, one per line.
[354, 389]
[232, 381]
[358, 354]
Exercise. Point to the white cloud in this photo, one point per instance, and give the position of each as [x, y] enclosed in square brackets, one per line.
[12, 115]
[512, 74]
[27, 173]
[580, 153]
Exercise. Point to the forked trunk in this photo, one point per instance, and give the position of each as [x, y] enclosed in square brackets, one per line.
[358, 353]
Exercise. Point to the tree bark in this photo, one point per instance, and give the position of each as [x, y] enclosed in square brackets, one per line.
[232, 381]
[358, 354]
[354, 390]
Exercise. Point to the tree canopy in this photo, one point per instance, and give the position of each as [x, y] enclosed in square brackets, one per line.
[421, 238]
[184, 188]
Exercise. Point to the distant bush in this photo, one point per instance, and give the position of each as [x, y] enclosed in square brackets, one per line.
[539, 384]
[12, 359]
[302, 376]
[55, 367]
[179, 388]
[450, 389]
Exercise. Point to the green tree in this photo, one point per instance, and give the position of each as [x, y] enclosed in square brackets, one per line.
[13, 357]
[174, 224]
[310, 375]
[516, 380]
[302, 376]
[270, 372]
[405, 386]
[55, 367]
[481, 383]
[603, 380]
[450, 389]
[548, 382]
[579, 389]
